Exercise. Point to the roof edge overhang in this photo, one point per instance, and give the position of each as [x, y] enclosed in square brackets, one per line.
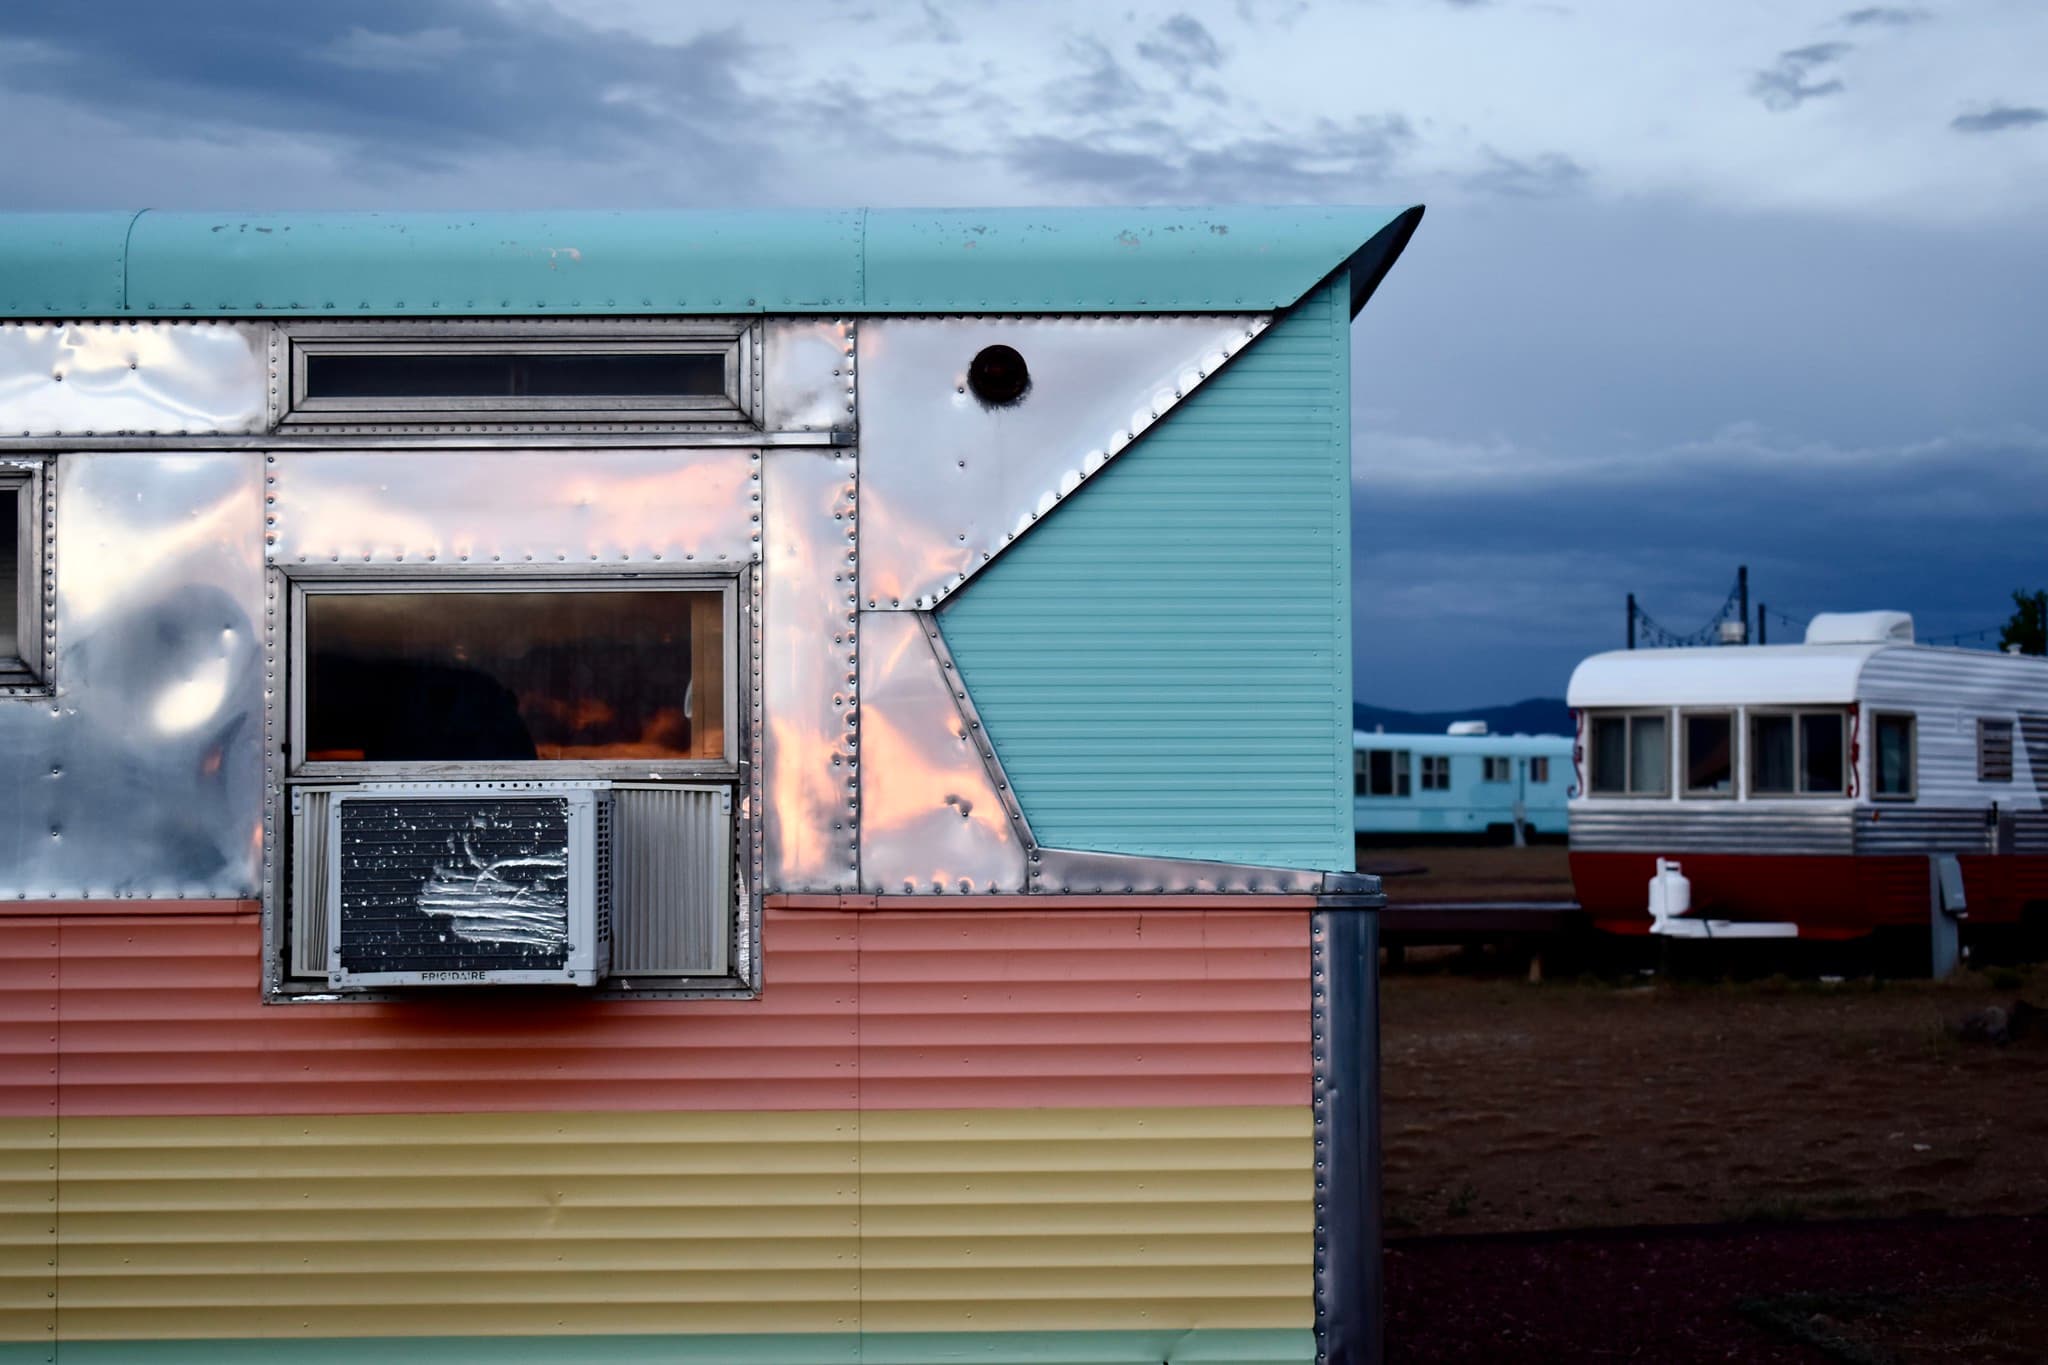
[846, 262]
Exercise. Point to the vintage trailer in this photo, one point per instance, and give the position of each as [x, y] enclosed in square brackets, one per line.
[763, 787]
[1469, 785]
[1806, 787]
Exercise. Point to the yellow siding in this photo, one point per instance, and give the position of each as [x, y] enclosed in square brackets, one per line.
[497, 1224]
[28, 1228]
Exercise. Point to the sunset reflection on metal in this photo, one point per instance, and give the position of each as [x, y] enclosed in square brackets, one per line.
[679, 508]
[931, 818]
[133, 378]
[947, 482]
[143, 775]
[808, 672]
[809, 375]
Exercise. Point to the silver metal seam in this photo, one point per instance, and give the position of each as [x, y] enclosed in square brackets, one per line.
[963, 701]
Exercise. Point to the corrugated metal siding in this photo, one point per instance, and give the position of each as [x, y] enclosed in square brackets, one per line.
[1711, 827]
[162, 1016]
[1210, 1346]
[1163, 665]
[28, 1135]
[1083, 1008]
[907, 1010]
[507, 1224]
[949, 1122]
[1908, 829]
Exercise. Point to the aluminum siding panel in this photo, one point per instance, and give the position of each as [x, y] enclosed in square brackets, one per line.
[1162, 665]
[1676, 827]
[1949, 690]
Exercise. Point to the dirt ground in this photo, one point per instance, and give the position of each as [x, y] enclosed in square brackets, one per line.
[1554, 1150]
[1471, 872]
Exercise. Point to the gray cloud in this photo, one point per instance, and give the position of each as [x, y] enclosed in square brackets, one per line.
[416, 82]
[1182, 48]
[1888, 16]
[1156, 161]
[1101, 85]
[1538, 177]
[1788, 83]
[1998, 118]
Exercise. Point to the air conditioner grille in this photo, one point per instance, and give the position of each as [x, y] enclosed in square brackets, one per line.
[463, 885]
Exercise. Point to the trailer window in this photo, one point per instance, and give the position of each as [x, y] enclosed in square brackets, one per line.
[1380, 772]
[1497, 769]
[1799, 753]
[1710, 754]
[1436, 772]
[513, 374]
[476, 676]
[10, 578]
[1539, 771]
[1630, 755]
[1994, 751]
[1894, 776]
[23, 663]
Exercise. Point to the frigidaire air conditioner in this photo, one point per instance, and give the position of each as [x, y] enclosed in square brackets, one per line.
[469, 884]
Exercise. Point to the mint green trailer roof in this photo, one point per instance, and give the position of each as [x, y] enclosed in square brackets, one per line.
[150, 264]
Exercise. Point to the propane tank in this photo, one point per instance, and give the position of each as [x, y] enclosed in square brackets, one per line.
[1670, 892]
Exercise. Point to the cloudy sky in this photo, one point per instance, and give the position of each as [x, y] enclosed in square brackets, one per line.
[1755, 281]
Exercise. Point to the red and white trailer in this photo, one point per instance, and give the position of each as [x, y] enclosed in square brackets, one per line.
[1811, 789]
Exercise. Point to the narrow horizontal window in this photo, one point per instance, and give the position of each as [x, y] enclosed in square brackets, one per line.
[453, 676]
[505, 374]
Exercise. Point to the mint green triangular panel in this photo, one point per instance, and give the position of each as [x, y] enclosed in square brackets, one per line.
[1163, 665]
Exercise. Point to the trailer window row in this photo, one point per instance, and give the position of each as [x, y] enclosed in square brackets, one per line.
[1762, 752]
[1387, 772]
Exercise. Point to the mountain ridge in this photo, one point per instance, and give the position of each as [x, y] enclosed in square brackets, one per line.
[1532, 716]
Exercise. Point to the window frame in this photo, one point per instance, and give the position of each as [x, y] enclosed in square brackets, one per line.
[29, 672]
[1423, 770]
[1738, 746]
[1798, 714]
[739, 342]
[726, 768]
[1912, 791]
[1628, 715]
[1539, 776]
[1400, 772]
[1503, 763]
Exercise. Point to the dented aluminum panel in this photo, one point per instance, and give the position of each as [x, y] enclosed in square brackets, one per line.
[931, 817]
[947, 481]
[134, 378]
[809, 677]
[143, 775]
[807, 374]
[1064, 871]
[591, 510]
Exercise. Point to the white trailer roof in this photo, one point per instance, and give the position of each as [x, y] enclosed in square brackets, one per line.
[1733, 675]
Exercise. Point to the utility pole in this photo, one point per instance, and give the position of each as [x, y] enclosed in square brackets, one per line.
[1631, 620]
[1742, 593]
[1763, 629]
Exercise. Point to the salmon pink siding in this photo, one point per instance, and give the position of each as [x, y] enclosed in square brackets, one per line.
[1060, 1133]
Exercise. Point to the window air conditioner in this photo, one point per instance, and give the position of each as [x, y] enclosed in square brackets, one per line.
[468, 884]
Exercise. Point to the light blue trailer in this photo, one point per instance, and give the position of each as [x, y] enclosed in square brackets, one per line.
[1437, 785]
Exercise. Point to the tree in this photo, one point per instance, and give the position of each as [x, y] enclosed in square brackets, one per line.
[2027, 631]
